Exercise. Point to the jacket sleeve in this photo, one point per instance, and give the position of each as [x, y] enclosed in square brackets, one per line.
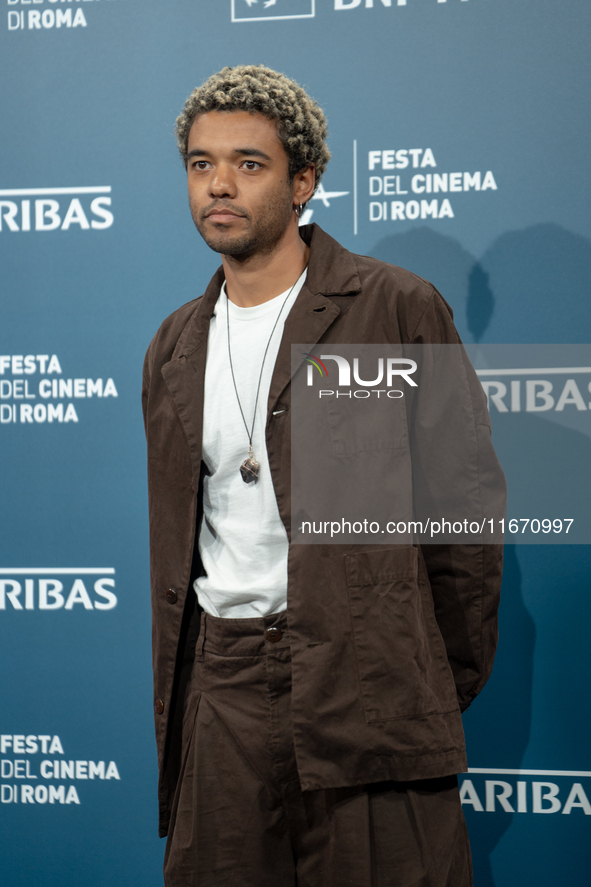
[466, 578]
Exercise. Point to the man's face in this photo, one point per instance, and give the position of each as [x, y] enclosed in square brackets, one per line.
[240, 195]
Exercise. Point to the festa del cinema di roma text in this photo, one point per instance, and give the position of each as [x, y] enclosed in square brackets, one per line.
[16, 765]
[388, 181]
[24, 400]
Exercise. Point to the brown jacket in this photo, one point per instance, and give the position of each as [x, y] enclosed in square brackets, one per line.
[373, 699]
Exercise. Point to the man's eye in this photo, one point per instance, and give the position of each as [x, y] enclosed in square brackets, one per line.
[251, 164]
[200, 164]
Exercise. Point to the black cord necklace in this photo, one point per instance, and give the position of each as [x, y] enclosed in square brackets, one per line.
[249, 470]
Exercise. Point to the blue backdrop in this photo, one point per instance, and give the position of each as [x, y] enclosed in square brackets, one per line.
[458, 134]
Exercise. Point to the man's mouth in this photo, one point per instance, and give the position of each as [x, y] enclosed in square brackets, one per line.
[221, 214]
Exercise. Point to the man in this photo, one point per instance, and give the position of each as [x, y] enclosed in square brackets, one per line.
[274, 769]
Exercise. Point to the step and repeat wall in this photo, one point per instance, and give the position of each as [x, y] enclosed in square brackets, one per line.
[459, 134]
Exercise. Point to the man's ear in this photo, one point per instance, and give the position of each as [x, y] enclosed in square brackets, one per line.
[304, 183]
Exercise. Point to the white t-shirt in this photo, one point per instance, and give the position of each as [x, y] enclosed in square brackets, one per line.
[242, 540]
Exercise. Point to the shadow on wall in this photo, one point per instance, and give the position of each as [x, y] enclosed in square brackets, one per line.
[439, 259]
[480, 303]
[530, 286]
[497, 725]
[552, 468]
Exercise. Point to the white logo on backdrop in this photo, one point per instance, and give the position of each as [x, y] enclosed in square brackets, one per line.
[518, 792]
[271, 10]
[39, 758]
[325, 197]
[34, 391]
[411, 186]
[48, 18]
[57, 588]
[369, 4]
[512, 393]
[265, 10]
[55, 209]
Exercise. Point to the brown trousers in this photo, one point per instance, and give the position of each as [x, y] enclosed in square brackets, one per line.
[240, 818]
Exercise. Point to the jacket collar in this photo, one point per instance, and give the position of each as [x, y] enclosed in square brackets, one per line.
[194, 335]
[331, 268]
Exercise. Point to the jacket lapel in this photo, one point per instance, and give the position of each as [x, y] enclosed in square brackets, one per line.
[184, 374]
[331, 272]
[306, 324]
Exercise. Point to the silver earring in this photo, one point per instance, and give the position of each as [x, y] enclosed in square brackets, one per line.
[299, 210]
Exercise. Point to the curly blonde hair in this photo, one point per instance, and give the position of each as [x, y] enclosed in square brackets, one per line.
[301, 124]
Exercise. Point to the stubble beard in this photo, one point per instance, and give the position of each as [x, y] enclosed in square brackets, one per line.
[261, 236]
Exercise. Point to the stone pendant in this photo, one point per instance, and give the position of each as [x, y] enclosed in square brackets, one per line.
[250, 470]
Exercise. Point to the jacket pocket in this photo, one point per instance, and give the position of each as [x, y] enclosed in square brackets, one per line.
[360, 426]
[401, 657]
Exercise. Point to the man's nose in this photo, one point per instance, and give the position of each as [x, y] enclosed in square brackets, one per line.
[222, 182]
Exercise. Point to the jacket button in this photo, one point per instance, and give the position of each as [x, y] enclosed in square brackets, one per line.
[273, 634]
[159, 706]
[171, 596]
